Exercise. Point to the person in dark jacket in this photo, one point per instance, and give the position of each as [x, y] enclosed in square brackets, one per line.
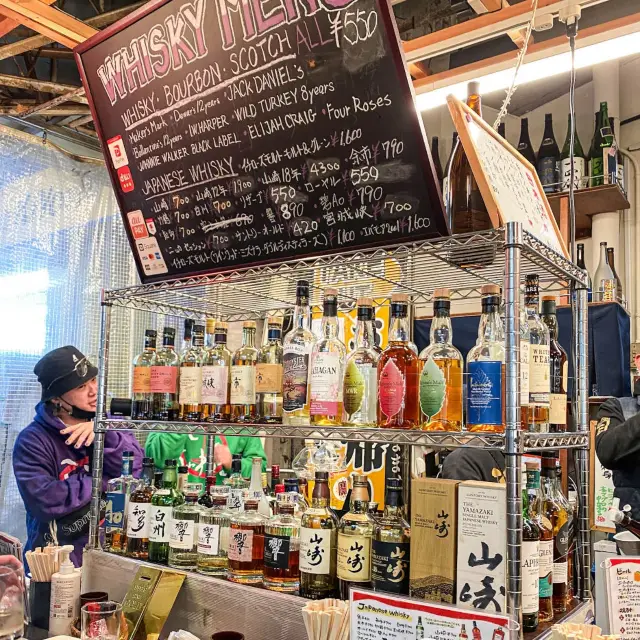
[618, 446]
[52, 456]
[467, 463]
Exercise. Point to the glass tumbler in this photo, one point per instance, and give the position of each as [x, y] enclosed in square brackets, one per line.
[11, 598]
[101, 620]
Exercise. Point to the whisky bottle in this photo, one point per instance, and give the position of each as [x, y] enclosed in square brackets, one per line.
[183, 533]
[398, 373]
[558, 369]
[360, 388]
[183, 479]
[237, 485]
[162, 504]
[442, 366]
[206, 499]
[548, 157]
[297, 347]
[327, 362]
[419, 629]
[255, 488]
[485, 368]
[530, 562]
[318, 540]
[119, 491]
[216, 379]
[539, 385]
[213, 537]
[355, 534]
[269, 375]
[246, 545]
[138, 513]
[571, 527]
[390, 552]
[243, 376]
[282, 549]
[164, 378]
[190, 395]
[141, 397]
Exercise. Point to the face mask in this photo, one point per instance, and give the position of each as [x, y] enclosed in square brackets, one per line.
[77, 412]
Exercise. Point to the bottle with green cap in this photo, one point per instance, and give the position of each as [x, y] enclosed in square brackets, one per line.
[162, 504]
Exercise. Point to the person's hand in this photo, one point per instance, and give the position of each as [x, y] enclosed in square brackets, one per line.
[10, 577]
[222, 455]
[79, 435]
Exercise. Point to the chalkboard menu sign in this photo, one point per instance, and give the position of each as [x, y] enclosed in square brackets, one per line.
[244, 132]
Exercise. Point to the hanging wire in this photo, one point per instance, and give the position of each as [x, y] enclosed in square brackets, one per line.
[572, 30]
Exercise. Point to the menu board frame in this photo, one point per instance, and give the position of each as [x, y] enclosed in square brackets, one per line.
[426, 169]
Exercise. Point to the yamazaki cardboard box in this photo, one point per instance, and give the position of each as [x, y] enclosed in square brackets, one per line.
[433, 539]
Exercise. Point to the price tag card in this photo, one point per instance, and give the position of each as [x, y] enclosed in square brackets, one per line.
[623, 595]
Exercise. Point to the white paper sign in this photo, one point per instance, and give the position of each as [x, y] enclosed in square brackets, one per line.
[623, 595]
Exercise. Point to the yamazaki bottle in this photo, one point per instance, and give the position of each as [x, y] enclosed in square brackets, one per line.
[164, 378]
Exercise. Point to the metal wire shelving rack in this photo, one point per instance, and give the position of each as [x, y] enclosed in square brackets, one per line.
[500, 256]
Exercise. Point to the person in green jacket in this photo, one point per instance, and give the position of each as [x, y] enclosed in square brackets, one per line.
[191, 451]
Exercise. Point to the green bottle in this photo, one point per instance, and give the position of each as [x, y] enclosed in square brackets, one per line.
[602, 141]
[579, 161]
[162, 505]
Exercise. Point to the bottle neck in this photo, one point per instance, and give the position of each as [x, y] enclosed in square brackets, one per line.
[524, 130]
[149, 343]
[603, 254]
[256, 476]
[329, 327]
[220, 339]
[320, 498]
[551, 321]
[302, 315]
[170, 478]
[198, 341]
[399, 330]
[490, 329]
[580, 258]
[474, 102]
[359, 500]
[168, 343]
[274, 335]
[393, 504]
[248, 336]
[210, 340]
[610, 258]
[365, 336]
[127, 464]
[441, 326]
[548, 128]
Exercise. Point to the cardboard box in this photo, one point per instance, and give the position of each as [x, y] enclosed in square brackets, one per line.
[482, 546]
[433, 539]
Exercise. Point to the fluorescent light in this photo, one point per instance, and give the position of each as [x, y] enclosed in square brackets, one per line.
[536, 70]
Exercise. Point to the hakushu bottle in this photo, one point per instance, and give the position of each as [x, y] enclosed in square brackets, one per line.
[600, 147]
[360, 389]
[539, 384]
[216, 374]
[525, 148]
[141, 396]
[530, 562]
[269, 375]
[548, 157]
[282, 549]
[579, 161]
[119, 491]
[213, 536]
[441, 377]
[162, 504]
[390, 552]
[485, 368]
[398, 372]
[246, 545]
[604, 278]
[612, 264]
[558, 369]
[355, 535]
[138, 513]
[183, 533]
[435, 156]
[190, 395]
[164, 378]
[297, 347]
[243, 376]
[327, 362]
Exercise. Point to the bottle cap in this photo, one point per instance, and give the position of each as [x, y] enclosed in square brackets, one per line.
[249, 324]
[549, 299]
[275, 470]
[183, 469]
[365, 302]
[330, 292]
[188, 327]
[442, 293]
[399, 298]
[360, 479]
[210, 323]
[66, 566]
[147, 461]
[169, 332]
[275, 321]
[279, 489]
[170, 463]
[221, 326]
[490, 290]
[150, 333]
[322, 476]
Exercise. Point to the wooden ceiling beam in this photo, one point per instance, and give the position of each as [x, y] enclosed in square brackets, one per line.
[31, 84]
[8, 24]
[50, 104]
[19, 110]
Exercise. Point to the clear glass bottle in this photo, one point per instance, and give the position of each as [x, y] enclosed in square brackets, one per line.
[255, 488]
[246, 545]
[318, 544]
[530, 562]
[269, 375]
[297, 348]
[216, 374]
[119, 491]
[355, 535]
[243, 376]
[442, 366]
[604, 280]
[183, 537]
[558, 369]
[327, 367]
[398, 372]
[141, 396]
[539, 384]
[213, 537]
[162, 504]
[237, 485]
[138, 513]
[485, 368]
[612, 264]
[390, 552]
[282, 549]
[164, 378]
[360, 388]
[190, 395]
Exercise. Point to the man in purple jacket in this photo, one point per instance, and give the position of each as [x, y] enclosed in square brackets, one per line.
[52, 456]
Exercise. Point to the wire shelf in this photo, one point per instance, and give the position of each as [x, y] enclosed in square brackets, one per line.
[416, 269]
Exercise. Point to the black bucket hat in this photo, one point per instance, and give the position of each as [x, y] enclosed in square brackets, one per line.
[62, 370]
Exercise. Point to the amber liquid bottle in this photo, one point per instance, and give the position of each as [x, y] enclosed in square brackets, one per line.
[246, 545]
[398, 373]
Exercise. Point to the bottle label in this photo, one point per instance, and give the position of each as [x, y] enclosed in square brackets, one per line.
[485, 393]
[215, 385]
[235, 501]
[268, 378]
[190, 385]
[525, 355]
[315, 551]
[596, 170]
[182, 534]
[114, 512]
[160, 523]
[610, 164]
[565, 375]
[391, 390]
[295, 377]
[354, 558]
[240, 545]
[276, 551]
[208, 539]
[360, 390]
[325, 383]
[243, 384]
[560, 572]
[578, 173]
[164, 379]
[539, 375]
[141, 379]
[608, 290]
[390, 566]
[138, 520]
[432, 389]
[546, 569]
[558, 408]
[560, 548]
[530, 576]
[547, 172]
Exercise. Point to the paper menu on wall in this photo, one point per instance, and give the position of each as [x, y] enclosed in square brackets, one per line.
[623, 596]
